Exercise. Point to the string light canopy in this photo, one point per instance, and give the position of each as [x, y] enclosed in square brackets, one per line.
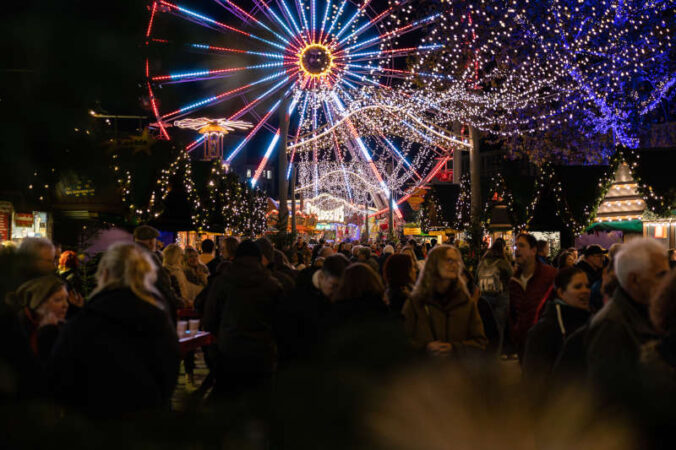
[519, 66]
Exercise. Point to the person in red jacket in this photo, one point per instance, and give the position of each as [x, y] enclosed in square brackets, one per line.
[530, 283]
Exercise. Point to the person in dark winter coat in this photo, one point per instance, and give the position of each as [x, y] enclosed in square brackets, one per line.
[283, 271]
[493, 274]
[530, 284]
[120, 354]
[659, 356]
[592, 262]
[20, 369]
[359, 296]
[305, 312]
[399, 274]
[42, 304]
[658, 368]
[618, 331]
[362, 330]
[388, 251]
[244, 303]
[441, 317]
[563, 316]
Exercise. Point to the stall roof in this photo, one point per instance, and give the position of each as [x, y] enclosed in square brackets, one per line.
[627, 226]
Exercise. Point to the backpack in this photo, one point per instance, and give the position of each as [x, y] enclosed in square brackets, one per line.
[489, 278]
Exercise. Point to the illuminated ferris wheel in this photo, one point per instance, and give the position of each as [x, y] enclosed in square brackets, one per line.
[325, 61]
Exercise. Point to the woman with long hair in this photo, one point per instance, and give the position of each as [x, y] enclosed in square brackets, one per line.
[441, 317]
[195, 272]
[120, 354]
[565, 259]
[174, 261]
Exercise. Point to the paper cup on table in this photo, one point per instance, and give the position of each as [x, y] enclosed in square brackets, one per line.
[181, 328]
[194, 326]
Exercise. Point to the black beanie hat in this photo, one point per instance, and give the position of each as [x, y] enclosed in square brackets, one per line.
[248, 248]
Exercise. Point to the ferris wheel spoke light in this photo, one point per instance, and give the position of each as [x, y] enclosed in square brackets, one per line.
[336, 17]
[326, 16]
[258, 126]
[264, 161]
[222, 96]
[234, 50]
[206, 19]
[254, 20]
[318, 54]
[246, 108]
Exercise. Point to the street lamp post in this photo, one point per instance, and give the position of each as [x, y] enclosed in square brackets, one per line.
[283, 221]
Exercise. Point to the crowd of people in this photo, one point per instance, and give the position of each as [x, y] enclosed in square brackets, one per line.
[603, 318]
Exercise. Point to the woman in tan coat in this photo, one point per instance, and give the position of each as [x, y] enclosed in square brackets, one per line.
[441, 317]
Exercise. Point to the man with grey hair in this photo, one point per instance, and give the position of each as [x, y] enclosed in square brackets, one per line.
[40, 253]
[619, 330]
[364, 256]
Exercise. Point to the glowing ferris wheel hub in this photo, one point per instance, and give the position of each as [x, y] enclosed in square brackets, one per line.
[315, 60]
[323, 56]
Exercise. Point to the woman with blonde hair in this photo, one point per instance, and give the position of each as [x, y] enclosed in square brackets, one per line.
[42, 303]
[120, 353]
[195, 272]
[441, 317]
[174, 261]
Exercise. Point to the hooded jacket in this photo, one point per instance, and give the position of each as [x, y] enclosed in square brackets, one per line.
[455, 320]
[546, 338]
[119, 355]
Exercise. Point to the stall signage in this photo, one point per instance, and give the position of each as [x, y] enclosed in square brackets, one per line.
[4, 226]
[333, 215]
[23, 220]
[660, 232]
[412, 231]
